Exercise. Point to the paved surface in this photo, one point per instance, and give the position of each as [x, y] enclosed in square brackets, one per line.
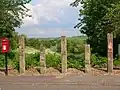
[66, 83]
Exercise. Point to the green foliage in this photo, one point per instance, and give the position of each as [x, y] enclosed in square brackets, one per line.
[14, 41]
[32, 60]
[116, 61]
[96, 18]
[74, 45]
[55, 44]
[36, 42]
[76, 61]
[98, 61]
[113, 15]
[53, 60]
[14, 60]
[11, 14]
[2, 58]
[75, 49]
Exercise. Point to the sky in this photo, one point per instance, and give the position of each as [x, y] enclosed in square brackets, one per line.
[50, 18]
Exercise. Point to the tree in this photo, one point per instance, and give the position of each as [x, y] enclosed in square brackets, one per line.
[113, 15]
[12, 13]
[95, 20]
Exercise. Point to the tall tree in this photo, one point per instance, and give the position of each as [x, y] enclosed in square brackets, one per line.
[11, 14]
[95, 20]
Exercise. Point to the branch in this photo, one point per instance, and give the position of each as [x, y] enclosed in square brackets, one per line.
[75, 3]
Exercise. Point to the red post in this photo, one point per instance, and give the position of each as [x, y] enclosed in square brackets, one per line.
[5, 47]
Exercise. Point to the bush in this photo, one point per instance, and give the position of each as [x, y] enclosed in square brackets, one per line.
[76, 47]
[116, 61]
[32, 60]
[98, 61]
[76, 61]
[14, 60]
[53, 60]
[2, 59]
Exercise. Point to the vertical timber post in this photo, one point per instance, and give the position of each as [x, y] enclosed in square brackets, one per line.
[110, 52]
[119, 50]
[42, 60]
[87, 59]
[64, 54]
[21, 54]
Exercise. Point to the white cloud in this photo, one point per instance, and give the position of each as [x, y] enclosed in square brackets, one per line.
[46, 10]
[62, 17]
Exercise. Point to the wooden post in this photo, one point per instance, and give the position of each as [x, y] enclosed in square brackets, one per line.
[42, 60]
[64, 54]
[110, 52]
[22, 54]
[87, 58]
[119, 50]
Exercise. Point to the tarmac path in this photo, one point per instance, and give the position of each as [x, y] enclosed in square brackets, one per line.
[65, 83]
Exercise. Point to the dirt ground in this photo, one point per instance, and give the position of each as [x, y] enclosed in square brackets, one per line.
[54, 72]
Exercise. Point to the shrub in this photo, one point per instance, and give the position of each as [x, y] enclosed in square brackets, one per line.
[76, 61]
[2, 58]
[98, 61]
[116, 61]
[53, 60]
[32, 60]
[14, 60]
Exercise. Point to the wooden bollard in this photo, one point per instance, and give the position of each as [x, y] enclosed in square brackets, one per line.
[110, 52]
[21, 54]
[42, 60]
[87, 59]
[64, 54]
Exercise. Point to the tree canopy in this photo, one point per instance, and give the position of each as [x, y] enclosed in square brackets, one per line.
[12, 13]
[96, 19]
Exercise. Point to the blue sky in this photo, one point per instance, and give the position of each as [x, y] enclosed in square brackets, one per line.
[50, 18]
